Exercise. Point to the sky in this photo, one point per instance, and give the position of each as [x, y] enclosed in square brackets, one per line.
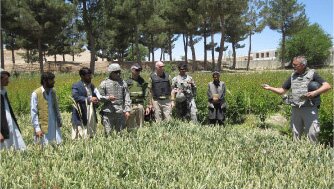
[317, 11]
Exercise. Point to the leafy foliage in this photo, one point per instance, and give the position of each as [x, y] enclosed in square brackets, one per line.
[312, 42]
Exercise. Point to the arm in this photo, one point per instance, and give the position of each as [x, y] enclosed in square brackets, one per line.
[102, 92]
[34, 114]
[127, 101]
[77, 95]
[279, 91]
[324, 88]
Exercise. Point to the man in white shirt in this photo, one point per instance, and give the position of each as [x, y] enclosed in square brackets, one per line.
[10, 135]
[45, 114]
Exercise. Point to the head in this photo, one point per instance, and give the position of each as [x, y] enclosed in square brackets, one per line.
[85, 74]
[48, 80]
[115, 71]
[215, 76]
[4, 77]
[135, 70]
[159, 67]
[299, 64]
[182, 69]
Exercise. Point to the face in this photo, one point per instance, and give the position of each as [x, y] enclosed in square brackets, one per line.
[50, 83]
[135, 72]
[298, 66]
[4, 80]
[182, 71]
[160, 68]
[87, 78]
[215, 78]
[116, 75]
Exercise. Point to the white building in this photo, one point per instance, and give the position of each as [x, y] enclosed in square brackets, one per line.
[271, 54]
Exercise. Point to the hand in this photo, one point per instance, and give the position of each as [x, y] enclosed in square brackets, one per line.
[127, 115]
[39, 134]
[266, 86]
[2, 139]
[94, 100]
[172, 104]
[311, 94]
[112, 98]
[147, 111]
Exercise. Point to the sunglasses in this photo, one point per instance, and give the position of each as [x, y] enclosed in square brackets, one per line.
[117, 72]
[137, 70]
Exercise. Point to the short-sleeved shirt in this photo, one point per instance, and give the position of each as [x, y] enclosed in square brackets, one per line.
[316, 77]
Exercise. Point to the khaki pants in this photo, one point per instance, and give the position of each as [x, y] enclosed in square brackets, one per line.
[162, 109]
[305, 119]
[136, 118]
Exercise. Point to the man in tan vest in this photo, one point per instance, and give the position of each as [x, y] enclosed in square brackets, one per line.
[45, 114]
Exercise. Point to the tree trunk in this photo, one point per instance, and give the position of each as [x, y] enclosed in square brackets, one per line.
[28, 56]
[221, 50]
[213, 51]
[152, 47]
[249, 50]
[193, 53]
[92, 52]
[13, 53]
[73, 56]
[13, 58]
[234, 56]
[170, 48]
[55, 57]
[40, 54]
[160, 54]
[205, 52]
[63, 57]
[2, 50]
[185, 46]
[283, 50]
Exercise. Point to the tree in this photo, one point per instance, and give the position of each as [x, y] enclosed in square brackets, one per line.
[132, 56]
[255, 22]
[311, 42]
[287, 17]
[236, 28]
[46, 20]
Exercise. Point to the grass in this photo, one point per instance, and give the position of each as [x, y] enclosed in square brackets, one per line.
[170, 155]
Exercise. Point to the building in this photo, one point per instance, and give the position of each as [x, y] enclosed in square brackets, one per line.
[265, 55]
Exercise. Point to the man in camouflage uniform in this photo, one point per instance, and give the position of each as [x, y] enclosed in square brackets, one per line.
[114, 94]
[304, 102]
[183, 94]
[138, 94]
[161, 92]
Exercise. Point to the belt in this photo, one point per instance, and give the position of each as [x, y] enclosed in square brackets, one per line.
[137, 100]
[161, 98]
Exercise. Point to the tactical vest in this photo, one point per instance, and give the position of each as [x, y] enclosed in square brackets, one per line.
[43, 111]
[115, 88]
[299, 88]
[137, 89]
[183, 84]
[160, 85]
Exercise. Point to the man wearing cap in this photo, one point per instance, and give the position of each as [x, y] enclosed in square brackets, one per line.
[161, 93]
[138, 94]
[85, 97]
[10, 135]
[183, 94]
[304, 103]
[216, 100]
[45, 114]
[116, 100]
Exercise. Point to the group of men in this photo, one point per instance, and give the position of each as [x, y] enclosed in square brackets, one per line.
[125, 103]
